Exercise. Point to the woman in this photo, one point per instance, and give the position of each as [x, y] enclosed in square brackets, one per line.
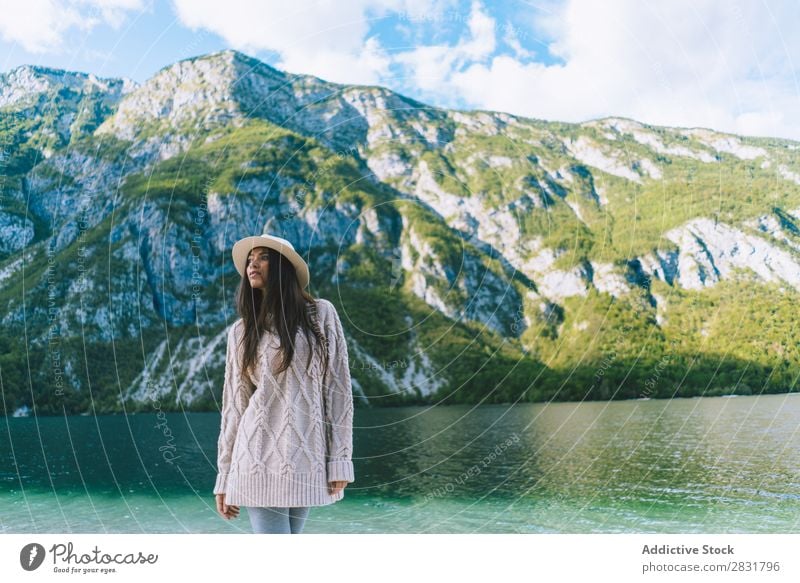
[285, 441]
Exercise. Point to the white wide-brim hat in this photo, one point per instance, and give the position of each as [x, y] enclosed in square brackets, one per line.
[243, 247]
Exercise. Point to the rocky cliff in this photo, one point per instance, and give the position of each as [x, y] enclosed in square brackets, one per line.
[473, 255]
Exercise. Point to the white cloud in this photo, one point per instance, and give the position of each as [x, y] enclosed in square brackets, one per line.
[511, 39]
[481, 43]
[432, 67]
[39, 26]
[726, 66]
[329, 39]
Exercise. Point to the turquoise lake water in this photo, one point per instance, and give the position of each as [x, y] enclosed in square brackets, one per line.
[716, 465]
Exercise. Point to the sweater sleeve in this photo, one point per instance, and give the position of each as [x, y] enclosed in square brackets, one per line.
[236, 394]
[339, 410]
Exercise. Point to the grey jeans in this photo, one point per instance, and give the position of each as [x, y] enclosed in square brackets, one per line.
[276, 520]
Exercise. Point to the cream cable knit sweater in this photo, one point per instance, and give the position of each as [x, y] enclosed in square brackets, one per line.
[280, 441]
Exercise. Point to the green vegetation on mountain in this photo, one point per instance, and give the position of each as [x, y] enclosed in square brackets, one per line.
[474, 257]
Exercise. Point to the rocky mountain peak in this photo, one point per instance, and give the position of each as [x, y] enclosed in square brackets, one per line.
[543, 234]
[23, 85]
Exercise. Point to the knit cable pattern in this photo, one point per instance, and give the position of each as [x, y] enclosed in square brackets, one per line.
[284, 437]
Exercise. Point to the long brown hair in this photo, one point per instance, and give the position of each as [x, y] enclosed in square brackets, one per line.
[281, 307]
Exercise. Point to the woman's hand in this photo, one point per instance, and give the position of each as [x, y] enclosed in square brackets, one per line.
[334, 487]
[226, 511]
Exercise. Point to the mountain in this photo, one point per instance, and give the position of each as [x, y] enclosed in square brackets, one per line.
[474, 256]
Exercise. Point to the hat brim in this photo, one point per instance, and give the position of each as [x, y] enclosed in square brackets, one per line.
[243, 247]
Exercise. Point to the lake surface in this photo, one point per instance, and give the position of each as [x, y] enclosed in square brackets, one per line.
[717, 465]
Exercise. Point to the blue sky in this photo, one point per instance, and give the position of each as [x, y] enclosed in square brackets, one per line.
[730, 65]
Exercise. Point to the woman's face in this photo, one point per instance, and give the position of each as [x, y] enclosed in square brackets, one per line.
[256, 267]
